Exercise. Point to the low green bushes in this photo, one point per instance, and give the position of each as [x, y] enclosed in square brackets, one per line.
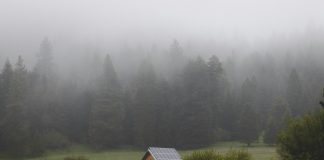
[303, 138]
[213, 155]
[75, 158]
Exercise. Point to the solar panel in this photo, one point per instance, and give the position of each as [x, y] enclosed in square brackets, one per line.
[164, 153]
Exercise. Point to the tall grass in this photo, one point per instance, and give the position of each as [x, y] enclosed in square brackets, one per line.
[214, 155]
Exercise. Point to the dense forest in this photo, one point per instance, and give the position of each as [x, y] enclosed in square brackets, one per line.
[169, 97]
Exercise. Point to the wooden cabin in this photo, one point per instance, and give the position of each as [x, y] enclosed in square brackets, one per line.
[154, 153]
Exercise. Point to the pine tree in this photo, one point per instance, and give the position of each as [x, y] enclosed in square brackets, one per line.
[195, 128]
[248, 126]
[145, 101]
[44, 65]
[217, 88]
[5, 80]
[176, 60]
[15, 127]
[248, 122]
[278, 116]
[108, 110]
[229, 117]
[175, 50]
[294, 94]
[18, 87]
[43, 77]
[248, 93]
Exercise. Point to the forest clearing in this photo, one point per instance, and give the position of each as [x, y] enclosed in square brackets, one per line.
[259, 152]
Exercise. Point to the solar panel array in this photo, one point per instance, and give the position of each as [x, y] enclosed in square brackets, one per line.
[164, 153]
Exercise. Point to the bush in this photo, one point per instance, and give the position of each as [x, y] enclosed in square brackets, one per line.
[237, 155]
[213, 155]
[204, 155]
[76, 158]
[303, 139]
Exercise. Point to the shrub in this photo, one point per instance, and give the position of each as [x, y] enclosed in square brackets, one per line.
[204, 155]
[237, 155]
[213, 155]
[75, 158]
[303, 138]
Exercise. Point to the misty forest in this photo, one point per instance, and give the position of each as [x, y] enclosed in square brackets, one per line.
[183, 93]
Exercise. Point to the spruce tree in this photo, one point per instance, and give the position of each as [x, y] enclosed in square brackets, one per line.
[248, 121]
[248, 126]
[217, 88]
[145, 103]
[5, 80]
[195, 128]
[176, 60]
[44, 64]
[277, 118]
[294, 94]
[108, 110]
[15, 127]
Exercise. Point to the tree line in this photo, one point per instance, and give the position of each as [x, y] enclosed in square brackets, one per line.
[196, 106]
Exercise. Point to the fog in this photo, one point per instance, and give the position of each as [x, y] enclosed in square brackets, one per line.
[193, 73]
[110, 24]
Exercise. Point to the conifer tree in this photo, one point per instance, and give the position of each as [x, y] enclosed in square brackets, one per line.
[5, 80]
[248, 126]
[145, 106]
[217, 88]
[195, 128]
[108, 110]
[14, 125]
[248, 121]
[176, 60]
[278, 116]
[294, 94]
[44, 65]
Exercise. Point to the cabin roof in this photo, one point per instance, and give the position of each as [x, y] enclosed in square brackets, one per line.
[162, 153]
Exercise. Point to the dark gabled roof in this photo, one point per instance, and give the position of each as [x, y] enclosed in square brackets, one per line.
[162, 153]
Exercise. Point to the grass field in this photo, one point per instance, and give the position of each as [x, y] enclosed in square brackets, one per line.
[258, 151]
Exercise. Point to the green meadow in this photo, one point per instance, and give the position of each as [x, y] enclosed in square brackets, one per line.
[258, 151]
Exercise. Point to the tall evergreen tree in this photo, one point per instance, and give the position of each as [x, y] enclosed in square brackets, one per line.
[145, 100]
[44, 65]
[108, 110]
[248, 126]
[14, 126]
[248, 122]
[229, 117]
[176, 60]
[277, 118]
[44, 79]
[248, 93]
[195, 128]
[45, 108]
[217, 88]
[5, 80]
[295, 95]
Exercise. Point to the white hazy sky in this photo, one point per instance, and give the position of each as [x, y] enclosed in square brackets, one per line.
[23, 23]
[199, 16]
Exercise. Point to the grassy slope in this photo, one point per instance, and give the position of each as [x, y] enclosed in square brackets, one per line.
[258, 151]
